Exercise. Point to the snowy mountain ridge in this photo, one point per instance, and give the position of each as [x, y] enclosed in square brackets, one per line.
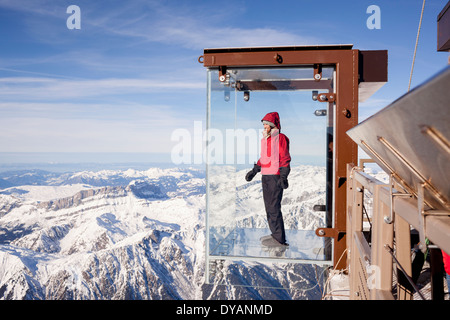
[136, 235]
[96, 244]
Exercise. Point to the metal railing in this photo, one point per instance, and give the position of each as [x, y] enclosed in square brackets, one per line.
[371, 257]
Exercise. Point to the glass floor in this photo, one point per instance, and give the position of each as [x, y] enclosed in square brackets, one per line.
[304, 245]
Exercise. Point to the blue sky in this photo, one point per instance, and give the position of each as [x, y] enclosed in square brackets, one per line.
[130, 77]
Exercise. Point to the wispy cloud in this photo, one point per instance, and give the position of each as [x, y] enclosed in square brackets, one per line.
[125, 81]
[372, 106]
[75, 135]
[191, 26]
[41, 7]
[375, 103]
[133, 35]
[33, 89]
[193, 32]
[88, 127]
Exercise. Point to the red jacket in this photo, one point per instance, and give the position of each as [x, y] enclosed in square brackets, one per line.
[275, 148]
[446, 261]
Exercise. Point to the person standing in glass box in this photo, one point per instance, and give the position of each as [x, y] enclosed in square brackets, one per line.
[274, 165]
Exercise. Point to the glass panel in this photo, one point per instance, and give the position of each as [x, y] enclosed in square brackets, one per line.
[236, 216]
[221, 187]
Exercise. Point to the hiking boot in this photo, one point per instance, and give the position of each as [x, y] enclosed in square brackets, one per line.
[271, 242]
[265, 238]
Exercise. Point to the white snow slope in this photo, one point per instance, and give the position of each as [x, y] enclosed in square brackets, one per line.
[132, 235]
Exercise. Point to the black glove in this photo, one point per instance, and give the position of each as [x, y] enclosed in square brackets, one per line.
[252, 173]
[284, 172]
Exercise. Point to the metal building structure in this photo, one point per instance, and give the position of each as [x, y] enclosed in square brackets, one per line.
[409, 139]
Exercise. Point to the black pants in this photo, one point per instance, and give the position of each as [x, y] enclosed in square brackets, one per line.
[272, 194]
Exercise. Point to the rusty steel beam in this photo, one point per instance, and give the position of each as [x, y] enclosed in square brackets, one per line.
[283, 85]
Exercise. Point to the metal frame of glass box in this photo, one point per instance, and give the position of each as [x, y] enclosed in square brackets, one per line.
[358, 74]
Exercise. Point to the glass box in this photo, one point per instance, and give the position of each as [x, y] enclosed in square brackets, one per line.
[235, 214]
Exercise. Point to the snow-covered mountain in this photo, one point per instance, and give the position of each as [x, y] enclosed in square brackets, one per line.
[137, 235]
